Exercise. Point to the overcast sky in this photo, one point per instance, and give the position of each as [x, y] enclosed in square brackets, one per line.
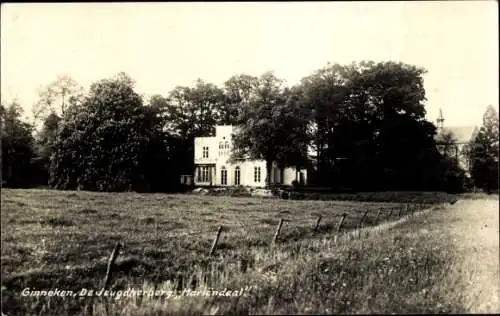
[161, 45]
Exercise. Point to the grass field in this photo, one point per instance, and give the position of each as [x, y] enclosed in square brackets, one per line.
[62, 240]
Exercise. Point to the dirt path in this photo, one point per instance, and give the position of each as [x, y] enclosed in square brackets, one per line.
[474, 228]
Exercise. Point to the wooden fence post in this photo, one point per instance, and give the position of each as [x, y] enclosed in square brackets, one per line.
[344, 215]
[362, 219]
[278, 229]
[156, 231]
[216, 240]
[317, 224]
[378, 214]
[111, 263]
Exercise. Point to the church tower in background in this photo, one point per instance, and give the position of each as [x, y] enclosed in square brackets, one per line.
[440, 122]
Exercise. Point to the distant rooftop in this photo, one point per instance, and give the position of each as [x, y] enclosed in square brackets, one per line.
[462, 134]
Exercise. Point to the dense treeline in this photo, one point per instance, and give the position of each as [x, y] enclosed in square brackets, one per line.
[360, 126]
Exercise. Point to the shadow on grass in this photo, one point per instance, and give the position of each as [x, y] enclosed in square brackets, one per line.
[57, 222]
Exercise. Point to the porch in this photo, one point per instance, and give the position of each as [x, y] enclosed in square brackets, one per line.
[204, 174]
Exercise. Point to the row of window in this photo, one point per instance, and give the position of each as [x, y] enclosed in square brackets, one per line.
[204, 175]
[222, 145]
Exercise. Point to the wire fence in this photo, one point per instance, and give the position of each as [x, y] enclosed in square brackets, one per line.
[320, 223]
[345, 220]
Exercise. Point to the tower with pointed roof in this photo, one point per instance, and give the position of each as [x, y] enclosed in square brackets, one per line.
[440, 121]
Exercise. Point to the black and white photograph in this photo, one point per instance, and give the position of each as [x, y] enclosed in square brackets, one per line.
[249, 158]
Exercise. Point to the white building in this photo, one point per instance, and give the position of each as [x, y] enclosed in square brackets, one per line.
[212, 166]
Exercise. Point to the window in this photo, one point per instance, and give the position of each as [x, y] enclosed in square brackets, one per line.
[222, 146]
[223, 176]
[205, 174]
[256, 174]
[198, 174]
[205, 152]
[237, 175]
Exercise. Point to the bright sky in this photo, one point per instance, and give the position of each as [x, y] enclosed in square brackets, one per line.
[161, 45]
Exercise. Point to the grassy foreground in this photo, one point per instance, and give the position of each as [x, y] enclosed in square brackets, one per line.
[62, 240]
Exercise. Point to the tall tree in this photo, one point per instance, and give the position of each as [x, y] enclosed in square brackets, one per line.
[370, 122]
[273, 126]
[447, 143]
[257, 138]
[238, 91]
[56, 97]
[48, 134]
[390, 97]
[193, 112]
[467, 152]
[482, 152]
[324, 93]
[174, 158]
[105, 143]
[17, 146]
[293, 119]
[44, 147]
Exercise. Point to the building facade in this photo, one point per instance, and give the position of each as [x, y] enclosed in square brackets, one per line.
[213, 167]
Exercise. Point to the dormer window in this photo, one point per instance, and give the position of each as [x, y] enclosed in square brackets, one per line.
[205, 152]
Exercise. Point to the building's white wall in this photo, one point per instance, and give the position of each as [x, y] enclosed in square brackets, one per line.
[224, 131]
[219, 157]
[199, 143]
[290, 174]
[246, 172]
